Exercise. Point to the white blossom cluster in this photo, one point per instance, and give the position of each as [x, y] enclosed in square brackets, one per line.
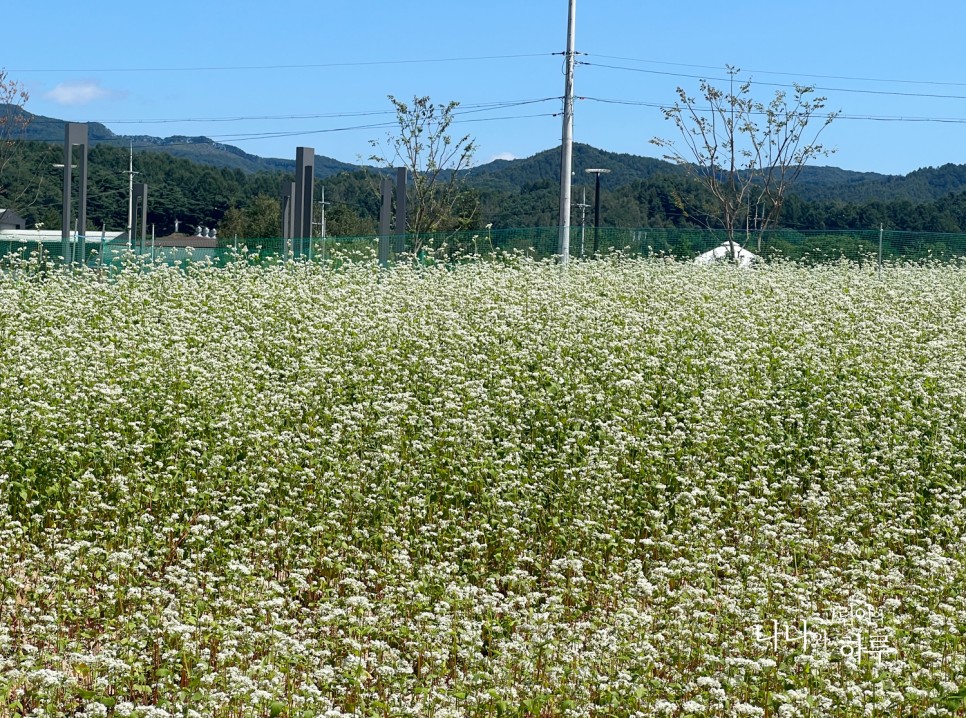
[626, 488]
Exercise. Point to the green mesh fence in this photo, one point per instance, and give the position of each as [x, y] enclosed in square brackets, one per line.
[537, 243]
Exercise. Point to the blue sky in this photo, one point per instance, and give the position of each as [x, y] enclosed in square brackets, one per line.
[271, 77]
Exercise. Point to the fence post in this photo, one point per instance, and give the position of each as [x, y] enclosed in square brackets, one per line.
[385, 216]
[880, 249]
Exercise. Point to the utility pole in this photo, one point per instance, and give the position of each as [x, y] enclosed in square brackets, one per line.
[567, 138]
[321, 225]
[323, 203]
[130, 198]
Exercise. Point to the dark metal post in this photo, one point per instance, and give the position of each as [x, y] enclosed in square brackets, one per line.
[74, 134]
[598, 173]
[304, 192]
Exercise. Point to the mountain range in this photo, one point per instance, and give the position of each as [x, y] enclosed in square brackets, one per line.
[814, 184]
[202, 150]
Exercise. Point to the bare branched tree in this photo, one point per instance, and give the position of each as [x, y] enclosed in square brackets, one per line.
[745, 152]
[422, 143]
[13, 125]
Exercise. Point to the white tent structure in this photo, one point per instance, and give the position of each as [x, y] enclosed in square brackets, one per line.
[723, 253]
[53, 236]
[107, 244]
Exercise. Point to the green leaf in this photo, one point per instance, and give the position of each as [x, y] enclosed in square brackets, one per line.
[955, 701]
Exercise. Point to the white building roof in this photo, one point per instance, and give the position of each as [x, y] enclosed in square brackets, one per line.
[50, 236]
[742, 256]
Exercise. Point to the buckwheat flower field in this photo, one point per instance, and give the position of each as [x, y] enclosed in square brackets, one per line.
[630, 488]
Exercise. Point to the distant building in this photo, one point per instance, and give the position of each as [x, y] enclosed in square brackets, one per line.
[11, 220]
[103, 246]
[729, 252]
[54, 236]
[182, 241]
[107, 245]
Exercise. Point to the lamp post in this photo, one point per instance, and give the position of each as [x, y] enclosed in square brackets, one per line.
[597, 173]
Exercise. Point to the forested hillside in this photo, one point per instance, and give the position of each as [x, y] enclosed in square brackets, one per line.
[198, 182]
[197, 149]
[178, 189]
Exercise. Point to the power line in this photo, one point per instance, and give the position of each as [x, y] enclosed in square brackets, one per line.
[500, 105]
[238, 118]
[790, 74]
[244, 137]
[462, 109]
[839, 116]
[312, 66]
[898, 118]
[633, 103]
[476, 108]
[473, 109]
[482, 108]
[891, 93]
[375, 126]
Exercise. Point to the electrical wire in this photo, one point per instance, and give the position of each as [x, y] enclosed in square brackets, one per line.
[838, 116]
[891, 93]
[224, 139]
[240, 118]
[462, 109]
[459, 113]
[478, 108]
[791, 74]
[306, 66]
[241, 137]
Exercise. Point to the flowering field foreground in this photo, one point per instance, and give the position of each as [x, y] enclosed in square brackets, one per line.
[630, 488]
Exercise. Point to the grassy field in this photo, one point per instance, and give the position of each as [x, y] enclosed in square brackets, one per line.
[630, 488]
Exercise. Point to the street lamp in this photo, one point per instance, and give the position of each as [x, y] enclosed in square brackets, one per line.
[597, 173]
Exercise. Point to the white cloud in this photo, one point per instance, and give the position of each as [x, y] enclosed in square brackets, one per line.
[501, 156]
[79, 92]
